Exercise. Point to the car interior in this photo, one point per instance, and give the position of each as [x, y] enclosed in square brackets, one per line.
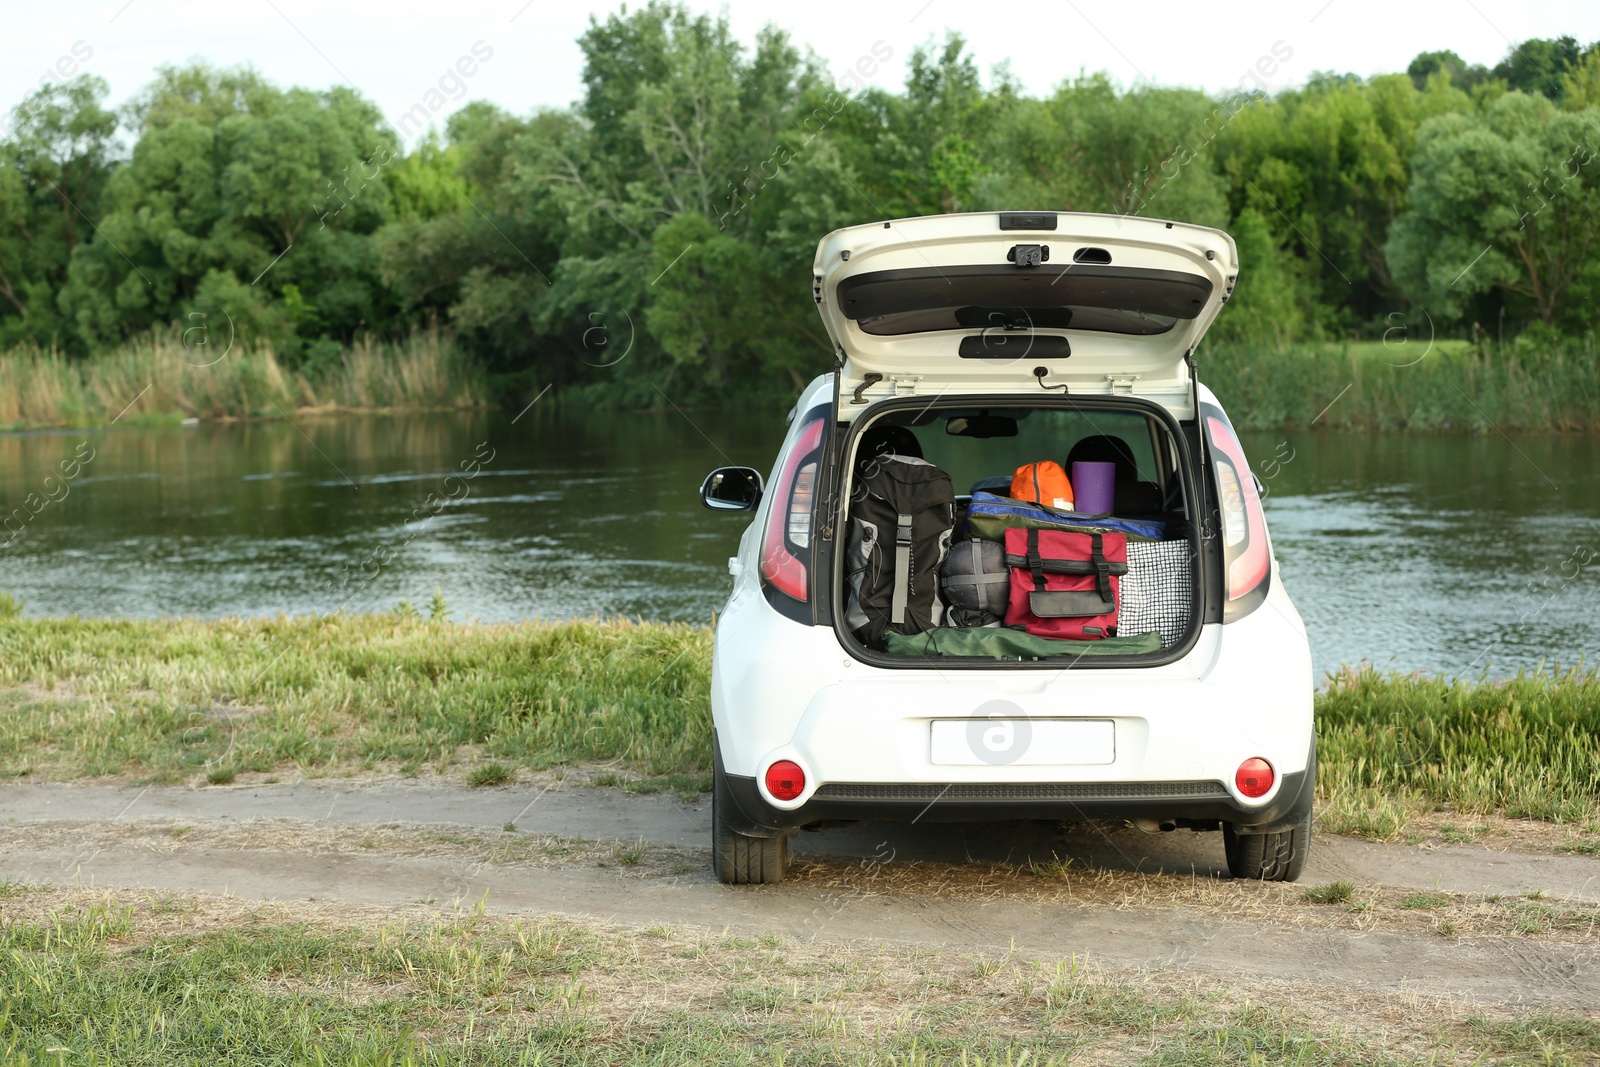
[982, 448]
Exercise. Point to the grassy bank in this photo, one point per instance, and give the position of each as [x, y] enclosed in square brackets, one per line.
[1373, 385]
[186, 700]
[95, 979]
[1393, 747]
[171, 700]
[1451, 386]
[159, 378]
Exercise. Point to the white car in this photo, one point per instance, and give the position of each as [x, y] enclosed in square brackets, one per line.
[985, 342]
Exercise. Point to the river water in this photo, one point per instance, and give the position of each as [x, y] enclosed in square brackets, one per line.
[1455, 555]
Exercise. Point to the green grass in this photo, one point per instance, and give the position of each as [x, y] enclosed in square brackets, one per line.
[86, 979]
[172, 380]
[175, 700]
[1332, 893]
[1390, 746]
[1538, 1038]
[1517, 386]
[185, 700]
[491, 774]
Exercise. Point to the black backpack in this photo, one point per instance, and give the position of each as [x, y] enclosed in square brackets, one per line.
[902, 512]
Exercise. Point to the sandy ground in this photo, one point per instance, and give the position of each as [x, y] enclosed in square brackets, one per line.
[1478, 924]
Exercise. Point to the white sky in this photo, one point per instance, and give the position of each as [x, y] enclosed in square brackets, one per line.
[394, 51]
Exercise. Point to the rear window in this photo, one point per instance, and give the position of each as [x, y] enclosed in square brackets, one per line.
[1072, 296]
[1042, 433]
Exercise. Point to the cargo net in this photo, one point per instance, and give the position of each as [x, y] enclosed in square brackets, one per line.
[1158, 590]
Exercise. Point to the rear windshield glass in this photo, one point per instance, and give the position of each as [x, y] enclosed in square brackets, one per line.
[1072, 296]
[1042, 433]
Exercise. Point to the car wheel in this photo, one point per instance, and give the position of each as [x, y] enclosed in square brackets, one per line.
[740, 859]
[1278, 857]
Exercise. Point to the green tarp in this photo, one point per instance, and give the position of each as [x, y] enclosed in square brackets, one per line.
[998, 642]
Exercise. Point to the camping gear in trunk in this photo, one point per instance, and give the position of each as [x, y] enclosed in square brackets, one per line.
[1065, 584]
[976, 583]
[901, 519]
[1158, 590]
[999, 642]
[1043, 483]
[1096, 484]
[989, 516]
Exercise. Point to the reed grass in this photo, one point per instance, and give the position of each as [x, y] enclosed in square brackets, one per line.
[1376, 386]
[156, 377]
[186, 700]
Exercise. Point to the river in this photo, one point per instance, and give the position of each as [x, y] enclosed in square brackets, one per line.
[1455, 555]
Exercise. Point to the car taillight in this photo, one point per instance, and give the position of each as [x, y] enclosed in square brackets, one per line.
[1254, 777]
[786, 546]
[1246, 552]
[785, 780]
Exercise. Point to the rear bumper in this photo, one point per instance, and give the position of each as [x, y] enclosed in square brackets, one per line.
[1191, 801]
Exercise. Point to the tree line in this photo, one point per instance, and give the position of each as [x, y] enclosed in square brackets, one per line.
[665, 223]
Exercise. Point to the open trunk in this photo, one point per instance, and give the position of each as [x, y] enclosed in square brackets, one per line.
[1159, 597]
[976, 345]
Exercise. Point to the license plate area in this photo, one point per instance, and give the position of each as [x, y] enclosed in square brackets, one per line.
[1023, 742]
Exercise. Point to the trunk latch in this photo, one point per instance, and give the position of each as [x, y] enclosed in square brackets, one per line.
[1028, 255]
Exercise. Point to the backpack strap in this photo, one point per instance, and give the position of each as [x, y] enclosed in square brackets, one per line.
[1035, 563]
[1102, 569]
[902, 568]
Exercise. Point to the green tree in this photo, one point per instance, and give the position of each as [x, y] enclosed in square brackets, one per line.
[54, 166]
[269, 189]
[1428, 65]
[1327, 168]
[1275, 300]
[1537, 65]
[1506, 201]
[681, 133]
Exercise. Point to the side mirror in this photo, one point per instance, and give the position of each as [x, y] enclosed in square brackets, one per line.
[732, 489]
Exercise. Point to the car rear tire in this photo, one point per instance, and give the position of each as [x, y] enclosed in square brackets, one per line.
[1276, 857]
[740, 859]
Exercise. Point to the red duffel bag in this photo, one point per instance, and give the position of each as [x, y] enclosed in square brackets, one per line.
[1066, 585]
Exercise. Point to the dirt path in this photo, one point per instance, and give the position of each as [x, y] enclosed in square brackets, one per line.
[1148, 901]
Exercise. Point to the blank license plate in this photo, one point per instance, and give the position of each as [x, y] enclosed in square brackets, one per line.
[1023, 742]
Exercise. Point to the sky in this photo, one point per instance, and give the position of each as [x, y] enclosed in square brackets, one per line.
[395, 51]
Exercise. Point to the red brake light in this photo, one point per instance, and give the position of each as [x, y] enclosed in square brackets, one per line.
[786, 546]
[1246, 553]
[785, 780]
[1254, 777]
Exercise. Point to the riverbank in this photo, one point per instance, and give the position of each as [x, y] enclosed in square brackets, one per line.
[189, 701]
[1443, 386]
[166, 378]
[1408, 383]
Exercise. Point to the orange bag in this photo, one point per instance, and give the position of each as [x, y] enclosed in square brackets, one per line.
[1043, 483]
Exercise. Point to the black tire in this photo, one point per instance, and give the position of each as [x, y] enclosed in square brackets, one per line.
[740, 859]
[1278, 857]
